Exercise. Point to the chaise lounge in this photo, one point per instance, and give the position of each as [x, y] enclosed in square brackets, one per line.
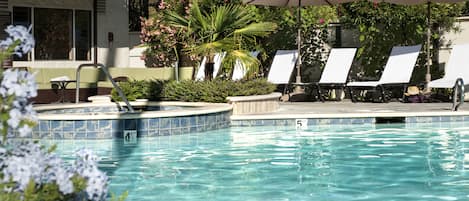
[282, 67]
[200, 75]
[396, 73]
[239, 70]
[456, 73]
[336, 70]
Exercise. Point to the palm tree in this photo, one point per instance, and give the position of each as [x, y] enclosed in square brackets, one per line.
[225, 28]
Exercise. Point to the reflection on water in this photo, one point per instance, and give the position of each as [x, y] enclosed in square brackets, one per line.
[383, 162]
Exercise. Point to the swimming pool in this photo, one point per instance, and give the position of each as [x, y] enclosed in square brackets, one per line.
[349, 162]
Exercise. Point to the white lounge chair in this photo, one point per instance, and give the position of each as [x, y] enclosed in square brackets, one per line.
[397, 71]
[216, 67]
[239, 71]
[282, 66]
[456, 70]
[336, 70]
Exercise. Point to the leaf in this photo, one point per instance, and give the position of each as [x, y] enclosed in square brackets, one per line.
[362, 38]
[122, 197]
[30, 191]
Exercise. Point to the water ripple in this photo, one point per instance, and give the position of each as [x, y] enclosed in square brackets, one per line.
[362, 162]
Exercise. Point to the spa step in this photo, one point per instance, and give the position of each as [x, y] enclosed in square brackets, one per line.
[100, 99]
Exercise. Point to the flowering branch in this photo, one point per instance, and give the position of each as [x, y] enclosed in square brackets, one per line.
[28, 171]
[16, 87]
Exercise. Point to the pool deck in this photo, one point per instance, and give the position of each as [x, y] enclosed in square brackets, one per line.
[347, 109]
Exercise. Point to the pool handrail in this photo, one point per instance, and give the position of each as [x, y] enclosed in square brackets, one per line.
[458, 88]
[106, 72]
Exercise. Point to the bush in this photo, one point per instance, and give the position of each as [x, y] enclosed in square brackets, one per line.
[214, 91]
[137, 89]
[194, 91]
[253, 87]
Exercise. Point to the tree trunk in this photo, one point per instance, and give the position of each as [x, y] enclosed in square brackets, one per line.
[209, 70]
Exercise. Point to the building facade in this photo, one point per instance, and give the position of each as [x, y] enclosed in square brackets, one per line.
[69, 33]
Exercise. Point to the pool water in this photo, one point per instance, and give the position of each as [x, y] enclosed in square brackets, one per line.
[375, 162]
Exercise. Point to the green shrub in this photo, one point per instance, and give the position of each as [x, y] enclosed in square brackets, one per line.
[137, 89]
[195, 91]
[253, 87]
[133, 89]
[214, 91]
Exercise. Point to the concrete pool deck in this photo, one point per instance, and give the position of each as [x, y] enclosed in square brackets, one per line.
[347, 109]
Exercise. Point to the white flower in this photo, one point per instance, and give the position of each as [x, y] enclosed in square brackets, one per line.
[63, 180]
[22, 84]
[20, 33]
[15, 118]
[24, 130]
[97, 181]
[18, 87]
[9, 82]
[25, 162]
[4, 44]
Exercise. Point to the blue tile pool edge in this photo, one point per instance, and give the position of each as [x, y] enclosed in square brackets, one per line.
[144, 127]
[150, 127]
[345, 121]
[211, 117]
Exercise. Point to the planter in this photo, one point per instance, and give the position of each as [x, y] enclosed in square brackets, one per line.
[254, 104]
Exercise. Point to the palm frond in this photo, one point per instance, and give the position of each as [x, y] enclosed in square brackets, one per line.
[199, 19]
[227, 28]
[174, 19]
[250, 63]
[257, 29]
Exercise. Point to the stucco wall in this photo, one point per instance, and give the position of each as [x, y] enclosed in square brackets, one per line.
[454, 37]
[116, 21]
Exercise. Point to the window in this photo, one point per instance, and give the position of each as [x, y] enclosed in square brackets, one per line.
[52, 31]
[60, 34]
[82, 35]
[137, 9]
[22, 16]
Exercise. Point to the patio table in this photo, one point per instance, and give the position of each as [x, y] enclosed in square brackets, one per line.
[62, 86]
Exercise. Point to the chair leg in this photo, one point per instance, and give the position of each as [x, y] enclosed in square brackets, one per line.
[352, 97]
[315, 88]
[342, 90]
[321, 98]
[285, 91]
[403, 92]
[383, 94]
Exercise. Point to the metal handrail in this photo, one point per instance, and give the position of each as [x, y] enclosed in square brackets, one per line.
[104, 69]
[458, 87]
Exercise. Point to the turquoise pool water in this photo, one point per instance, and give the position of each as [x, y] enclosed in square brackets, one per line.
[376, 162]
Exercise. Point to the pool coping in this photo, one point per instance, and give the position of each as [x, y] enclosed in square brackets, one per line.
[200, 108]
[348, 115]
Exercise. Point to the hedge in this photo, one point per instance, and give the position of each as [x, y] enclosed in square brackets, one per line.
[214, 91]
